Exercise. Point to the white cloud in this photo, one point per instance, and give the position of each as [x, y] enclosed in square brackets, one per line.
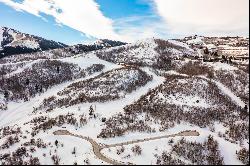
[140, 27]
[173, 18]
[85, 16]
[21, 7]
[211, 17]
[82, 15]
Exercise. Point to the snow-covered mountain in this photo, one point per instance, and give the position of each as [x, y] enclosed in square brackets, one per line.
[148, 102]
[63, 52]
[97, 45]
[14, 42]
[148, 52]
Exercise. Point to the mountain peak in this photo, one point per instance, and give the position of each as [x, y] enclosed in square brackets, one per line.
[15, 42]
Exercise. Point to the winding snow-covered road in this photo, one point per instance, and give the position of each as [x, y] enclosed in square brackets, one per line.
[97, 148]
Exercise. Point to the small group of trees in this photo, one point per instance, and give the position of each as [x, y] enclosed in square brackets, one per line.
[119, 124]
[137, 150]
[196, 68]
[95, 68]
[243, 156]
[9, 130]
[206, 153]
[120, 150]
[36, 142]
[19, 157]
[168, 159]
[56, 159]
[44, 123]
[10, 141]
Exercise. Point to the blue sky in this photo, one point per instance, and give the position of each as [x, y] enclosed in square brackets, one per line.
[31, 24]
[116, 9]
[79, 21]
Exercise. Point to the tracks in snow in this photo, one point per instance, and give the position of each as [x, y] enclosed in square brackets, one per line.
[97, 148]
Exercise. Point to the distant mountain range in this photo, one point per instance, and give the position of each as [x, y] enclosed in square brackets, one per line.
[13, 42]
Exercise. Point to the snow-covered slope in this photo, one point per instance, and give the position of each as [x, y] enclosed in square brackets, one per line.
[68, 51]
[15, 42]
[109, 86]
[147, 102]
[149, 52]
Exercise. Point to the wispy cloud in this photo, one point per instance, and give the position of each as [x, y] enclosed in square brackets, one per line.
[139, 27]
[212, 17]
[86, 17]
[82, 15]
[21, 7]
[167, 18]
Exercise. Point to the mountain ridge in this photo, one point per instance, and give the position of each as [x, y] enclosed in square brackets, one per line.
[15, 42]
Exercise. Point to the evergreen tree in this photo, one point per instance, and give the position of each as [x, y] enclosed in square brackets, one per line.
[27, 81]
[6, 94]
[58, 69]
[206, 51]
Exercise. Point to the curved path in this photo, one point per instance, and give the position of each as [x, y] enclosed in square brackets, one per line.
[98, 147]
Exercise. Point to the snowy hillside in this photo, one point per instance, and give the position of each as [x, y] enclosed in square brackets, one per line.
[14, 42]
[62, 52]
[105, 43]
[149, 52]
[108, 86]
[149, 102]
